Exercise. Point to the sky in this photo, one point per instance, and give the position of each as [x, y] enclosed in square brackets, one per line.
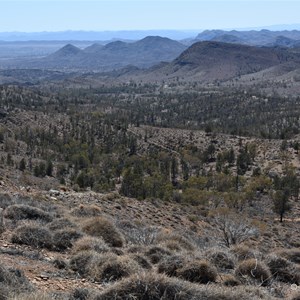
[101, 15]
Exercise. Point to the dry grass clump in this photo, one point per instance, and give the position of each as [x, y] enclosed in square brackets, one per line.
[83, 211]
[148, 286]
[152, 286]
[13, 280]
[173, 239]
[104, 267]
[101, 227]
[87, 243]
[221, 259]
[64, 239]
[60, 223]
[5, 200]
[31, 296]
[242, 252]
[290, 254]
[80, 262]
[138, 234]
[32, 235]
[251, 271]
[156, 253]
[81, 294]
[142, 261]
[295, 296]
[230, 280]
[22, 211]
[60, 263]
[200, 271]
[111, 268]
[171, 245]
[283, 269]
[136, 249]
[171, 264]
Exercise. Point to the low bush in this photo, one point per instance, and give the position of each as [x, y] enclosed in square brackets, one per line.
[13, 280]
[22, 211]
[101, 227]
[5, 200]
[142, 261]
[83, 211]
[171, 264]
[283, 269]
[61, 223]
[295, 296]
[200, 271]
[80, 294]
[230, 280]
[242, 252]
[152, 286]
[32, 235]
[251, 270]
[87, 243]
[80, 262]
[60, 263]
[171, 245]
[111, 268]
[156, 253]
[31, 296]
[175, 238]
[221, 259]
[291, 254]
[64, 239]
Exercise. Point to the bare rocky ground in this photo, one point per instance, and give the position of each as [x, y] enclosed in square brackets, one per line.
[45, 270]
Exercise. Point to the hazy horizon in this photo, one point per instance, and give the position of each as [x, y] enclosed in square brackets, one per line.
[123, 15]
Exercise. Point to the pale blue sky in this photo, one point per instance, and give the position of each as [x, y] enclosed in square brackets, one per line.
[55, 15]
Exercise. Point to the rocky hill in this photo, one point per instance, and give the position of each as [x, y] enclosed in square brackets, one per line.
[144, 53]
[211, 61]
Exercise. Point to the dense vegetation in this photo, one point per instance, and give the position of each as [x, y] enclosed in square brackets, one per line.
[83, 138]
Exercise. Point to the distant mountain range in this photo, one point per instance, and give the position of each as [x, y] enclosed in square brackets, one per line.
[256, 38]
[95, 35]
[217, 56]
[143, 53]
